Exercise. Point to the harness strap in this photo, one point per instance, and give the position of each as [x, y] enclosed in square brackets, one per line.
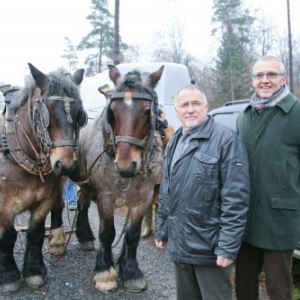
[132, 140]
[63, 143]
[118, 95]
[59, 98]
[20, 158]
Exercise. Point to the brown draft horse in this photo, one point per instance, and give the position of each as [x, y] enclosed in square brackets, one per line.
[119, 155]
[39, 133]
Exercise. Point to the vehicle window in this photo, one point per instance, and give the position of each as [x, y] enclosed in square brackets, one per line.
[227, 119]
[1, 101]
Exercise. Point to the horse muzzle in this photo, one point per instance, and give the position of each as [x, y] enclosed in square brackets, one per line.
[128, 171]
[63, 160]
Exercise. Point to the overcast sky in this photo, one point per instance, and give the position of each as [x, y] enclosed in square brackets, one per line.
[34, 30]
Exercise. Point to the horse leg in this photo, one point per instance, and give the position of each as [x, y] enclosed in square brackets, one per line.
[57, 237]
[84, 232]
[106, 276]
[34, 269]
[9, 272]
[130, 273]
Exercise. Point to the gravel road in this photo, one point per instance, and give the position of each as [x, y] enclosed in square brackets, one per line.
[70, 277]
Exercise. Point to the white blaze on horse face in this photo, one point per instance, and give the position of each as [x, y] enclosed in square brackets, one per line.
[128, 101]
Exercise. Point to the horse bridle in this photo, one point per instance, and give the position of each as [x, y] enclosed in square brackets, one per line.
[109, 135]
[41, 121]
[152, 97]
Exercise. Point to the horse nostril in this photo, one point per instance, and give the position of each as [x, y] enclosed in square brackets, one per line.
[60, 168]
[57, 169]
[128, 172]
[133, 167]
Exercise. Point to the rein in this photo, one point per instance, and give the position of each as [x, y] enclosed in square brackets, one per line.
[99, 157]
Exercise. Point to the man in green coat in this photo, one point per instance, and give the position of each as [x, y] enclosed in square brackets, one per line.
[270, 130]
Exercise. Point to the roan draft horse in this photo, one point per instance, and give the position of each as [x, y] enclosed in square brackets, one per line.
[120, 161]
[39, 134]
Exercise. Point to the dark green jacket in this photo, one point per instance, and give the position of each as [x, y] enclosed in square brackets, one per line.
[272, 140]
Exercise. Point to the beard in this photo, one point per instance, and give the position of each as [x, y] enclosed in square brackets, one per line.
[191, 124]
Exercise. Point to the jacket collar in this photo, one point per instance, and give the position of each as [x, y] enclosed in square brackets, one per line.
[205, 131]
[285, 104]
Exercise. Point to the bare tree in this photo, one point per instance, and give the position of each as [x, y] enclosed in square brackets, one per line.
[70, 55]
[132, 53]
[168, 44]
[116, 33]
[290, 47]
[262, 35]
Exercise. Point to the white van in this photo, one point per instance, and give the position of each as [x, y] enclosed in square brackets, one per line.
[173, 78]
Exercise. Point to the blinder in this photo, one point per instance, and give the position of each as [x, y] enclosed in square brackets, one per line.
[82, 121]
[41, 120]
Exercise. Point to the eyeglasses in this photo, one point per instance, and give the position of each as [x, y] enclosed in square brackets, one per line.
[195, 105]
[270, 75]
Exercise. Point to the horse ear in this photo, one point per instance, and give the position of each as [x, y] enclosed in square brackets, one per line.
[40, 78]
[78, 76]
[155, 77]
[114, 74]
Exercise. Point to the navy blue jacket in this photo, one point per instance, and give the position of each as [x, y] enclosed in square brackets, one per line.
[204, 199]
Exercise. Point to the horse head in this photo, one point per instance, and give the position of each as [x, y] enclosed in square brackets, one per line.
[57, 116]
[131, 113]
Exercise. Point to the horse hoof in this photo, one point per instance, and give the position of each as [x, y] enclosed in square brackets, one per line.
[135, 285]
[87, 246]
[106, 286]
[56, 251]
[146, 233]
[106, 281]
[6, 288]
[57, 241]
[35, 281]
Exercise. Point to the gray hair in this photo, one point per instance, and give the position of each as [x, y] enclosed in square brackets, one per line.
[270, 57]
[192, 87]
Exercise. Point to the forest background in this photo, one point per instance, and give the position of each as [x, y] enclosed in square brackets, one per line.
[239, 34]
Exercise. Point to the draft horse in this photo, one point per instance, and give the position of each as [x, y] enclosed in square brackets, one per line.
[39, 132]
[120, 162]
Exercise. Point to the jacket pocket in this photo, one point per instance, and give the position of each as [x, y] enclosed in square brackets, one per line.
[282, 175]
[205, 169]
[201, 233]
[285, 203]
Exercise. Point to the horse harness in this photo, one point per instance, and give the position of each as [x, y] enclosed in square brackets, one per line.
[10, 144]
[151, 143]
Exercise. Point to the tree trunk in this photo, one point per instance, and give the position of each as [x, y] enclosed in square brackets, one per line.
[290, 48]
[116, 34]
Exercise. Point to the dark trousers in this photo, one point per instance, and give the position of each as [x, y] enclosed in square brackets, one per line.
[202, 282]
[278, 273]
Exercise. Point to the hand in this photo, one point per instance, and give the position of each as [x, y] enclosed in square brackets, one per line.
[160, 244]
[224, 261]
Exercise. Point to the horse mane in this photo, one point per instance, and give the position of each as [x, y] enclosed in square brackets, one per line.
[132, 80]
[61, 84]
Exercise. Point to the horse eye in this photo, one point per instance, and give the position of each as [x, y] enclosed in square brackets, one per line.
[147, 112]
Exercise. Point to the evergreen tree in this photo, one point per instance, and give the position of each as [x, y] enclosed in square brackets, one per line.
[231, 73]
[70, 55]
[101, 39]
